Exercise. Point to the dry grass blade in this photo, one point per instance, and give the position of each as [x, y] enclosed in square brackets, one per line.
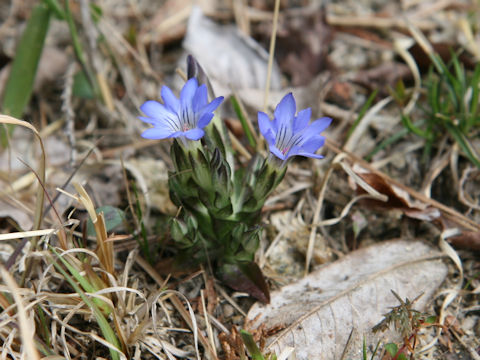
[271, 53]
[207, 321]
[363, 125]
[176, 303]
[462, 194]
[5, 119]
[401, 48]
[25, 234]
[41, 175]
[450, 213]
[472, 44]
[451, 294]
[377, 22]
[316, 216]
[26, 327]
[105, 247]
[316, 222]
[191, 315]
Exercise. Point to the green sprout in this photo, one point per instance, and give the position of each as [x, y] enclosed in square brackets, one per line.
[452, 107]
[407, 322]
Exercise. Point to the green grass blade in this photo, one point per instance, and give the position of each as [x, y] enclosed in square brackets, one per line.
[20, 82]
[107, 331]
[410, 126]
[437, 62]
[362, 113]
[432, 93]
[77, 47]
[474, 83]
[243, 120]
[56, 8]
[144, 246]
[463, 143]
[83, 282]
[375, 351]
[43, 329]
[251, 346]
[459, 71]
[387, 142]
[364, 349]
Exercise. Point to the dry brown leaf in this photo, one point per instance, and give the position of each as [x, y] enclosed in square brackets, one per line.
[466, 240]
[20, 216]
[397, 197]
[319, 312]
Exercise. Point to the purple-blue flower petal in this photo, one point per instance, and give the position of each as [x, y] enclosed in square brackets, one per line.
[285, 111]
[149, 120]
[153, 109]
[194, 134]
[264, 123]
[270, 137]
[204, 120]
[312, 155]
[302, 119]
[156, 133]
[188, 92]
[212, 106]
[169, 99]
[185, 117]
[200, 98]
[289, 135]
[319, 125]
[273, 149]
[302, 151]
[313, 143]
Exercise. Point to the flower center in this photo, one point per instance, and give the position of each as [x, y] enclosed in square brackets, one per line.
[286, 139]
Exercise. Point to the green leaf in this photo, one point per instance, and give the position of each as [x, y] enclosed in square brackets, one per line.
[113, 217]
[19, 87]
[431, 319]
[251, 346]
[217, 133]
[391, 348]
[82, 87]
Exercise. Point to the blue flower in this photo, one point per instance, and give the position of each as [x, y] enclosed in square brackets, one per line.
[185, 117]
[289, 135]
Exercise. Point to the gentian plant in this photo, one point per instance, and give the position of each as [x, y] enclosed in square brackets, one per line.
[220, 202]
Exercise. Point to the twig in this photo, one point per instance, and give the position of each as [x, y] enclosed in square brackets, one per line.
[69, 113]
[271, 53]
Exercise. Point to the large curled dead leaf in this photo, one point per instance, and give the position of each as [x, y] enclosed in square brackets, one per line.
[397, 198]
[348, 297]
[229, 57]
